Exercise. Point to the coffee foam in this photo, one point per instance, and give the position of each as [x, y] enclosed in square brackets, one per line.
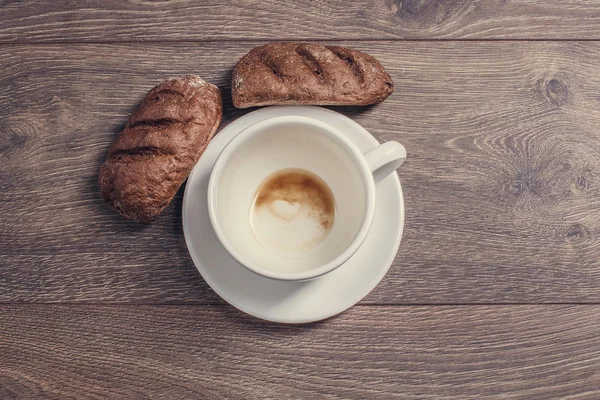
[293, 211]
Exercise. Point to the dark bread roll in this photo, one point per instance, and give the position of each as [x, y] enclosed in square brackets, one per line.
[306, 73]
[162, 141]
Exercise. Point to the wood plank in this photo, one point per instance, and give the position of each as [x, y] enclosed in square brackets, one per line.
[475, 352]
[112, 20]
[501, 184]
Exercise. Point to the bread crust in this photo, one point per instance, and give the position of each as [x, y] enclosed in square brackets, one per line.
[162, 141]
[308, 73]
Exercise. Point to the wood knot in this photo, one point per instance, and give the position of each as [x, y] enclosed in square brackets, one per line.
[12, 141]
[528, 184]
[577, 233]
[427, 13]
[516, 188]
[582, 183]
[17, 133]
[554, 91]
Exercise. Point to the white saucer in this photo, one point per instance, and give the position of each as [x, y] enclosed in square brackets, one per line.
[292, 302]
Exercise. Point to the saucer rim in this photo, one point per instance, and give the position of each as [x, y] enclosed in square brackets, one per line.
[292, 110]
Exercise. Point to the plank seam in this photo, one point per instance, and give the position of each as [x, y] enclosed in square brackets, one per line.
[407, 305]
[192, 41]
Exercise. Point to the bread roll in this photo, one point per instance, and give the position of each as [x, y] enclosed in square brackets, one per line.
[162, 141]
[306, 73]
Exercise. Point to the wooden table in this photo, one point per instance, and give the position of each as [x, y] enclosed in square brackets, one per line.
[495, 292]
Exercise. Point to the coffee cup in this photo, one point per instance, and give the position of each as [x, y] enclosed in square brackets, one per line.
[292, 198]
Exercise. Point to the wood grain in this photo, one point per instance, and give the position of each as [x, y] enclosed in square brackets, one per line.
[501, 184]
[112, 20]
[501, 189]
[208, 352]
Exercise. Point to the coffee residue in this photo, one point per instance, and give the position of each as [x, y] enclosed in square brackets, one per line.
[298, 187]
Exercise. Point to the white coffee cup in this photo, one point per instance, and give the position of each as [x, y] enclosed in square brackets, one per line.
[297, 142]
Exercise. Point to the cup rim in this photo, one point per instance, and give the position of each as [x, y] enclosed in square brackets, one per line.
[250, 132]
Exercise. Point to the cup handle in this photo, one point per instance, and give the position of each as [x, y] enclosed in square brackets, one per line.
[385, 159]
